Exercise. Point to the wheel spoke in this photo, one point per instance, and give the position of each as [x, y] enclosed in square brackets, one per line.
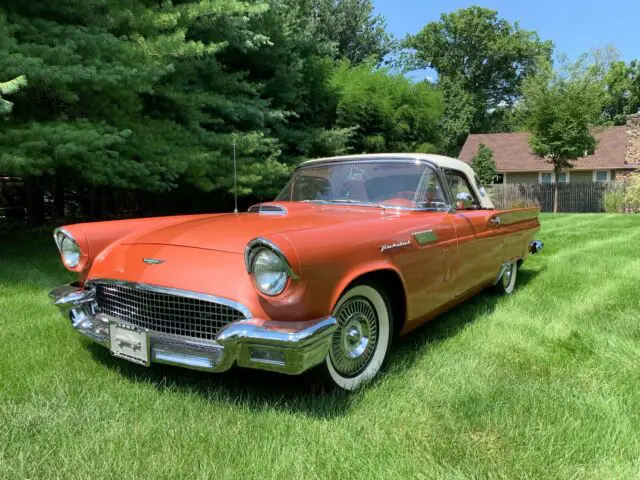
[354, 342]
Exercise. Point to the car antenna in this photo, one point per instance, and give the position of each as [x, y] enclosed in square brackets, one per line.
[235, 178]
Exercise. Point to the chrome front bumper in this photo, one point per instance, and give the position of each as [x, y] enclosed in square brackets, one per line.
[252, 343]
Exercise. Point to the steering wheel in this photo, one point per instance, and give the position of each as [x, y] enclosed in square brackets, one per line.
[399, 202]
[405, 194]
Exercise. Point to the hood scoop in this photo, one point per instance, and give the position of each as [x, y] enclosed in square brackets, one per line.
[268, 209]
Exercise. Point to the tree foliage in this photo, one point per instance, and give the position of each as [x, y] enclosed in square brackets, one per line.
[352, 29]
[149, 95]
[8, 88]
[562, 107]
[484, 165]
[481, 61]
[622, 83]
[388, 112]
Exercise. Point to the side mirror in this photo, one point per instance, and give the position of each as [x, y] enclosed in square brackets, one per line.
[464, 201]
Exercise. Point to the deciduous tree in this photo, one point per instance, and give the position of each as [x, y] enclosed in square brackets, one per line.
[482, 59]
[622, 83]
[562, 106]
[388, 112]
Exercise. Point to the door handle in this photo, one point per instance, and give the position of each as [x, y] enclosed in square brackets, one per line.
[495, 221]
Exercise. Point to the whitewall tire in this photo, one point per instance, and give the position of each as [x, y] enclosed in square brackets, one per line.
[360, 344]
[507, 282]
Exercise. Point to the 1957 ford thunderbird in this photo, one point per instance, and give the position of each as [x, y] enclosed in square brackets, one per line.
[354, 251]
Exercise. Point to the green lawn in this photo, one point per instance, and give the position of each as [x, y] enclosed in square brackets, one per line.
[542, 384]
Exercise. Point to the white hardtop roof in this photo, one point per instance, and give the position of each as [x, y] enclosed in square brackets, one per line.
[440, 160]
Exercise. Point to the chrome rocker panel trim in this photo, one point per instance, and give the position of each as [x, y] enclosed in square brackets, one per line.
[251, 343]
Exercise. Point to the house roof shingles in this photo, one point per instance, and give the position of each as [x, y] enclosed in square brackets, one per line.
[512, 153]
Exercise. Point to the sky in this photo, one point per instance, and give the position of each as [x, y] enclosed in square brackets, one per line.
[574, 26]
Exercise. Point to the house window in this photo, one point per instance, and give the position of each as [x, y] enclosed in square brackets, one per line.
[499, 178]
[545, 177]
[601, 176]
[550, 177]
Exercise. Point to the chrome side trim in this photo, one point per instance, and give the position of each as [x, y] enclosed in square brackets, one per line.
[251, 249]
[391, 246]
[175, 291]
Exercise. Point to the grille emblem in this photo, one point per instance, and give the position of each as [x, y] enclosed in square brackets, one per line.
[152, 261]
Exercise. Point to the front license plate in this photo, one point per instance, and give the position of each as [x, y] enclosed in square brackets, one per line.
[130, 343]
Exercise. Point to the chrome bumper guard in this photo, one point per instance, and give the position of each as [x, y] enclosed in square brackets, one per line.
[248, 343]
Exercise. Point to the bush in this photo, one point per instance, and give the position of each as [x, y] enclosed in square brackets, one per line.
[613, 201]
[632, 193]
[374, 144]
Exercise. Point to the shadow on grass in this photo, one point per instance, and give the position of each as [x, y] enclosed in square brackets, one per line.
[452, 322]
[305, 394]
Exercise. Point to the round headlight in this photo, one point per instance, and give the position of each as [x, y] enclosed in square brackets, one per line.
[269, 271]
[69, 249]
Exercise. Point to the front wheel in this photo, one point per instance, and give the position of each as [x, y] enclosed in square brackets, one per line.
[360, 344]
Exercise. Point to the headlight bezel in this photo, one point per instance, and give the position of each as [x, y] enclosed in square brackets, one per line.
[68, 247]
[254, 249]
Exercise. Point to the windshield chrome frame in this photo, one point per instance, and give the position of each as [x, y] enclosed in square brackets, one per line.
[427, 163]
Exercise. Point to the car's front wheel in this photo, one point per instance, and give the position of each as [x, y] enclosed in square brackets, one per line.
[360, 344]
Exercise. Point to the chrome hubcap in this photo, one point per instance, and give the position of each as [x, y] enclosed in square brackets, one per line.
[354, 341]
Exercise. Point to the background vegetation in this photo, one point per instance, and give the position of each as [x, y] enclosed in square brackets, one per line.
[134, 106]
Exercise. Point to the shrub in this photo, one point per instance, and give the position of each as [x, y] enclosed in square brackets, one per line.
[519, 203]
[632, 193]
[374, 144]
[613, 201]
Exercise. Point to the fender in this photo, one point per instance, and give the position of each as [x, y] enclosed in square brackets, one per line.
[359, 271]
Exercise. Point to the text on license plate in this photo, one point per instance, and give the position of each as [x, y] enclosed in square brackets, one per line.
[130, 343]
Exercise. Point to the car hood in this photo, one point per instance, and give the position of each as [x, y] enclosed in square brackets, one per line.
[231, 232]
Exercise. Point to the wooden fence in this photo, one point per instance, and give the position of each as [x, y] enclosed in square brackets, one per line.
[572, 197]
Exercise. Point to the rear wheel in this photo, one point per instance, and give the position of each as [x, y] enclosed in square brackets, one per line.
[507, 282]
[360, 344]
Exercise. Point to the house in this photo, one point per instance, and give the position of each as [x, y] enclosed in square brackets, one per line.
[617, 154]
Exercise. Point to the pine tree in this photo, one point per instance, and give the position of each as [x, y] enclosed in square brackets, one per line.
[484, 165]
[8, 88]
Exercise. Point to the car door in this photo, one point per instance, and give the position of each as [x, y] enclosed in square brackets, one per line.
[480, 243]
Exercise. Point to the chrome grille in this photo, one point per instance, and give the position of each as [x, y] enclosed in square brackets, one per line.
[158, 310]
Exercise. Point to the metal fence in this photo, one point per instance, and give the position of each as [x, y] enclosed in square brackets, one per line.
[572, 197]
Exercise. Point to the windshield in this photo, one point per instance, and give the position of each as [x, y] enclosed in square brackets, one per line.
[388, 184]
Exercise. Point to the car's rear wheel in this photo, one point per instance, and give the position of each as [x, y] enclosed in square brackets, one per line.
[360, 344]
[507, 282]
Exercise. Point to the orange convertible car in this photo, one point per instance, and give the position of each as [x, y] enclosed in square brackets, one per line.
[353, 251]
